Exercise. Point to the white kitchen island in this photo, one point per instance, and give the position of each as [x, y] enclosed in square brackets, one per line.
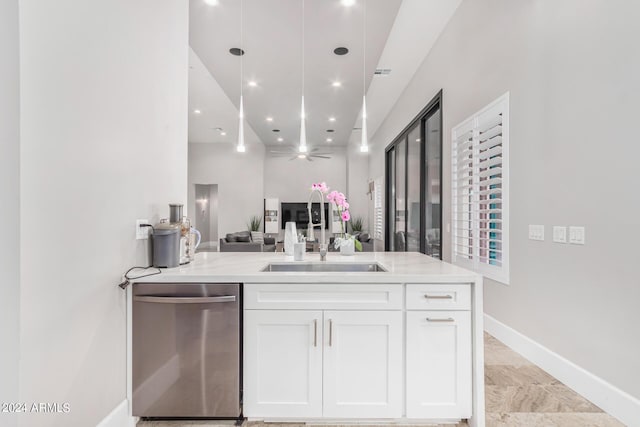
[403, 345]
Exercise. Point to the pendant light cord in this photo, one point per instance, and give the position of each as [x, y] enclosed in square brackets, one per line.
[364, 47]
[241, 46]
[303, 44]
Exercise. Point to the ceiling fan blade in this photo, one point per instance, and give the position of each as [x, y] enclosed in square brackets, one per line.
[293, 158]
[317, 156]
[309, 158]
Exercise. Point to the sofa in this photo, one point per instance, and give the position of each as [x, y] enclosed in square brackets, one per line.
[243, 241]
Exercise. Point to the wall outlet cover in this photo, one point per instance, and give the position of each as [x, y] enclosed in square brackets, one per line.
[576, 235]
[142, 233]
[559, 234]
[536, 232]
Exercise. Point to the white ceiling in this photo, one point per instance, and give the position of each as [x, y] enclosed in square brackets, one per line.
[272, 39]
[399, 36]
[216, 109]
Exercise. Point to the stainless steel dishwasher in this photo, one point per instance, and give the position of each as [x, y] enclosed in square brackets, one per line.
[187, 350]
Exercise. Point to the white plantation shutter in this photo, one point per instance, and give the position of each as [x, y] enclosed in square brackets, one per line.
[378, 221]
[480, 145]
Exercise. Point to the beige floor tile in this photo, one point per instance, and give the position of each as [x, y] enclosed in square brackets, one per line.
[506, 375]
[571, 400]
[581, 420]
[515, 420]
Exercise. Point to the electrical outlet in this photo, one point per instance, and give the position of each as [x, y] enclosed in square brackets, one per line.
[576, 235]
[142, 233]
[559, 234]
[536, 232]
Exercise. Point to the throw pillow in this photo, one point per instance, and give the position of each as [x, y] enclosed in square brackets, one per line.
[231, 238]
[364, 237]
[257, 236]
[243, 239]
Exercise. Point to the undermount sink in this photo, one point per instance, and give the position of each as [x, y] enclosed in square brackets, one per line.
[325, 267]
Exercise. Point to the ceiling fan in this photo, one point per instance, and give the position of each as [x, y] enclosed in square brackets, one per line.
[293, 151]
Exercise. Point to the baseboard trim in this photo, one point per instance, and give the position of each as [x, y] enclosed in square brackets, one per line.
[119, 417]
[611, 399]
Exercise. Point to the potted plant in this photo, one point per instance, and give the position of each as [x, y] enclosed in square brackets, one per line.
[357, 225]
[254, 223]
[346, 242]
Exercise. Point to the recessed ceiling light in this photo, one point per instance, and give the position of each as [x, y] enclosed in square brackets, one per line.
[236, 51]
[348, 3]
[252, 83]
[336, 84]
[341, 51]
[417, 139]
[332, 119]
[302, 156]
[269, 119]
[197, 111]
[211, 2]
[280, 139]
[223, 133]
[276, 130]
[329, 140]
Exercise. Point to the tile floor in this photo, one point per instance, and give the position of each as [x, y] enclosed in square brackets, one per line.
[518, 394]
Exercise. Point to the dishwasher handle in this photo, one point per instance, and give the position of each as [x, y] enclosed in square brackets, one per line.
[184, 300]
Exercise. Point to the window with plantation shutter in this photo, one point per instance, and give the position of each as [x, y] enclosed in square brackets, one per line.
[480, 148]
[378, 206]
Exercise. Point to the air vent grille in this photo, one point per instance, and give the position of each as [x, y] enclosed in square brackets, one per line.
[382, 71]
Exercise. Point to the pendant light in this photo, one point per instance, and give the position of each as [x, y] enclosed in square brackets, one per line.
[241, 147]
[302, 148]
[364, 144]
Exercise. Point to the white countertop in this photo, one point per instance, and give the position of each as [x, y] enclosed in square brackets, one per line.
[244, 267]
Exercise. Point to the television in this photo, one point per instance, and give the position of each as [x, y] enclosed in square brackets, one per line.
[298, 213]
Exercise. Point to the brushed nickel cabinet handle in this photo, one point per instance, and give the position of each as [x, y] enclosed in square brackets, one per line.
[183, 300]
[330, 332]
[448, 319]
[427, 296]
[315, 332]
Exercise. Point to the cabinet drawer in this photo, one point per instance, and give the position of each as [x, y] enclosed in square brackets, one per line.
[322, 296]
[439, 297]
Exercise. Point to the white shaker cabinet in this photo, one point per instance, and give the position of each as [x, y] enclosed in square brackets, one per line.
[362, 364]
[439, 364]
[283, 363]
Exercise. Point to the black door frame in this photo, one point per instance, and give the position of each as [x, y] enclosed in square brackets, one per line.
[420, 118]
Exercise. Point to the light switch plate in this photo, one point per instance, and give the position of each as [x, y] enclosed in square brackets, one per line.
[536, 232]
[559, 234]
[142, 233]
[576, 235]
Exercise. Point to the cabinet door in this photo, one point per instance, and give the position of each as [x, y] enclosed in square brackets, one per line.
[362, 364]
[439, 364]
[282, 363]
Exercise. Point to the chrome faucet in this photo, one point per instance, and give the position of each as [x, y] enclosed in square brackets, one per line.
[323, 244]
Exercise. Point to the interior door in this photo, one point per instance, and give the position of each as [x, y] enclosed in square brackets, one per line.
[283, 363]
[362, 364]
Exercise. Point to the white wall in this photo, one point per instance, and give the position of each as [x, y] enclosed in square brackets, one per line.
[572, 70]
[239, 177]
[290, 180]
[244, 180]
[9, 214]
[104, 141]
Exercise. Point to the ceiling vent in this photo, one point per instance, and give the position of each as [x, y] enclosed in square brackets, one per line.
[382, 71]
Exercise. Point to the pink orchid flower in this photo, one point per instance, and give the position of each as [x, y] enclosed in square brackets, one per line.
[332, 196]
[346, 216]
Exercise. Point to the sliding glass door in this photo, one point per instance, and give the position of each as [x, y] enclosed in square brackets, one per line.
[414, 175]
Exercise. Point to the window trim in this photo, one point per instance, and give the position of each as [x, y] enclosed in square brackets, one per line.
[499, 274]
